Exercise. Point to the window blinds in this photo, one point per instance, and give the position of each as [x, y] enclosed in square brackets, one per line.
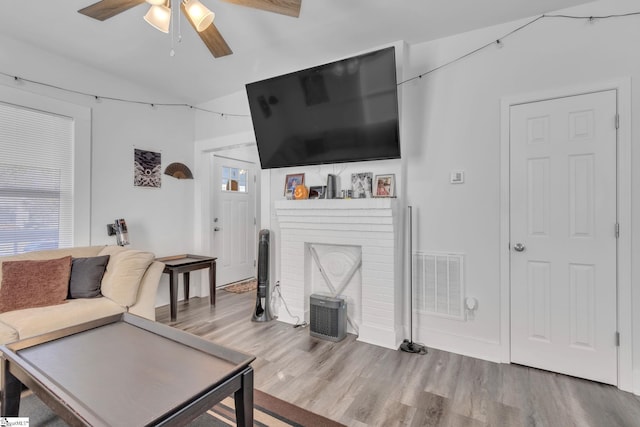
[36, 180]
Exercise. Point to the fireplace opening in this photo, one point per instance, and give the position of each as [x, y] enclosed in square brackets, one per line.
[336, 271]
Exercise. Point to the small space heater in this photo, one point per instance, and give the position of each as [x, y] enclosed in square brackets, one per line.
[328, 317]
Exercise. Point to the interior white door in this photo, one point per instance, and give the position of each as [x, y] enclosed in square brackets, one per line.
[234, 219]
[563, 235]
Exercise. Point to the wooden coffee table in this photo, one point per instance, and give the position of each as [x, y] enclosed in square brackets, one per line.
[124, 370]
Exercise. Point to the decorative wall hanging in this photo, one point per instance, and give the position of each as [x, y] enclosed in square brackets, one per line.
[146, 166]
[179, 171]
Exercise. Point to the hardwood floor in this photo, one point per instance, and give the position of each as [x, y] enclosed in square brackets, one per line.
[360, 384]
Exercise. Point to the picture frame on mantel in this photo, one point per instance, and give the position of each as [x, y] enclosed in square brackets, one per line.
[317, 192]
[291, 181]
[361, 185]
[385, 186]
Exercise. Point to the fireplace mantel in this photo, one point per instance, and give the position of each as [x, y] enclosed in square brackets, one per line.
[336, 210]
[373, 225]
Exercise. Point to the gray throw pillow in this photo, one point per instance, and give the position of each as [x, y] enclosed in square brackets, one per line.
[86, 276]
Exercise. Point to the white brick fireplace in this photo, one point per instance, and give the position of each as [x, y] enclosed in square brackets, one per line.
[342, 231]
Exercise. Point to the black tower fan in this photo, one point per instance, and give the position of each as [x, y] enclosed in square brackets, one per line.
[262, 312]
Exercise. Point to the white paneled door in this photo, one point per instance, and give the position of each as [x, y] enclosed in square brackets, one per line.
[563, 235]
[234, 219]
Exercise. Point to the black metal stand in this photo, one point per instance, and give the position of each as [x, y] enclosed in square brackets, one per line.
[408, 346]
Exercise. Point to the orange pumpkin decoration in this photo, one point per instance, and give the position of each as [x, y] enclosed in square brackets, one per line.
[301, 192]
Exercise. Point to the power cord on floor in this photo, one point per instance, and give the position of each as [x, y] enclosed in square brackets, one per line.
[298, 323]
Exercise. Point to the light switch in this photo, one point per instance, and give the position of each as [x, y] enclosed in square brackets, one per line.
[457, 177]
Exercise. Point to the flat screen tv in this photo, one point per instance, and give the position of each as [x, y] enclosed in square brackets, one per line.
[344, 111]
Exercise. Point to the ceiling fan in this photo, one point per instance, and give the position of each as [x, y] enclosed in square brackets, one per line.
[200, 18]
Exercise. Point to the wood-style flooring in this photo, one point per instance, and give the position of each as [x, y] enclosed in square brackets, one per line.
[360, 384]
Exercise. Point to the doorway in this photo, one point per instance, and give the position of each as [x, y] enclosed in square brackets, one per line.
[234, 224]
[563, 222]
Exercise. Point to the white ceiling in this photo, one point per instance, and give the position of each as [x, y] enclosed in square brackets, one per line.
[264, 44]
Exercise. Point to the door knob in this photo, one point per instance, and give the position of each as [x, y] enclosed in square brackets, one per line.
[216, 229]
[518, 247]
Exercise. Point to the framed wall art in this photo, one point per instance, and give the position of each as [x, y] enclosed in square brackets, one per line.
[146, 167]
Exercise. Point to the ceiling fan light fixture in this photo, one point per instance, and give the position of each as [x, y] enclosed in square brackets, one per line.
[199, 14]
[159, 17]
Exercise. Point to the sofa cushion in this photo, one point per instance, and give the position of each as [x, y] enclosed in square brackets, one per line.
[34, 283]
[36, 321]
[7, 334]
[81, 251]
[86, 276]
[124, 272]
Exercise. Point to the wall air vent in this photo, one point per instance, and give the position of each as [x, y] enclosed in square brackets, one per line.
[438, 286]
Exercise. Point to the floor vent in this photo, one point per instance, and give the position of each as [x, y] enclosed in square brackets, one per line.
[438, 286]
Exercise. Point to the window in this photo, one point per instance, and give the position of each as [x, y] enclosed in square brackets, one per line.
[36, 180]
[234, 179]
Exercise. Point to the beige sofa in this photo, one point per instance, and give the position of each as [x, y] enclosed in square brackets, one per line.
[129, 284]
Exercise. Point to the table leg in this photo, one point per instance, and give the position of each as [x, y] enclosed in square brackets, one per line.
[212, 283]
[186, 286]
[173, 294]
[244, 400]
[11, 389]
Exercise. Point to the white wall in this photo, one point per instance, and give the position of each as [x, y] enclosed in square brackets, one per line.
[159, 220]
[455, 117]
[451, 121]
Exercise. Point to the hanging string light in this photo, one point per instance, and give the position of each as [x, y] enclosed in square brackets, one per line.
[499, 42]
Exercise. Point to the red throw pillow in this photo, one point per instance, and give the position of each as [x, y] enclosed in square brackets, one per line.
[34, 283]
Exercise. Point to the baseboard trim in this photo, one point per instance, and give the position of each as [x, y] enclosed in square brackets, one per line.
[381, 337]
[466, 346]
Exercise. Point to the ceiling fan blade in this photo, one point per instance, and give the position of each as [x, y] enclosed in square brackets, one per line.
[283, 7]
[215, 42]
[106, 9]
[211, 37]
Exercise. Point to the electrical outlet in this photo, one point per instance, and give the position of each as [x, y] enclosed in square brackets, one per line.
[470, 303]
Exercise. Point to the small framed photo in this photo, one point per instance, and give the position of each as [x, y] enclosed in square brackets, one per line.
[385, 186]
[361, 185]
[317, 192]
[291, 181]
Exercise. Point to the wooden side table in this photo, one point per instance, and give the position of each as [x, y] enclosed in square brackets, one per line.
[178, 264]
